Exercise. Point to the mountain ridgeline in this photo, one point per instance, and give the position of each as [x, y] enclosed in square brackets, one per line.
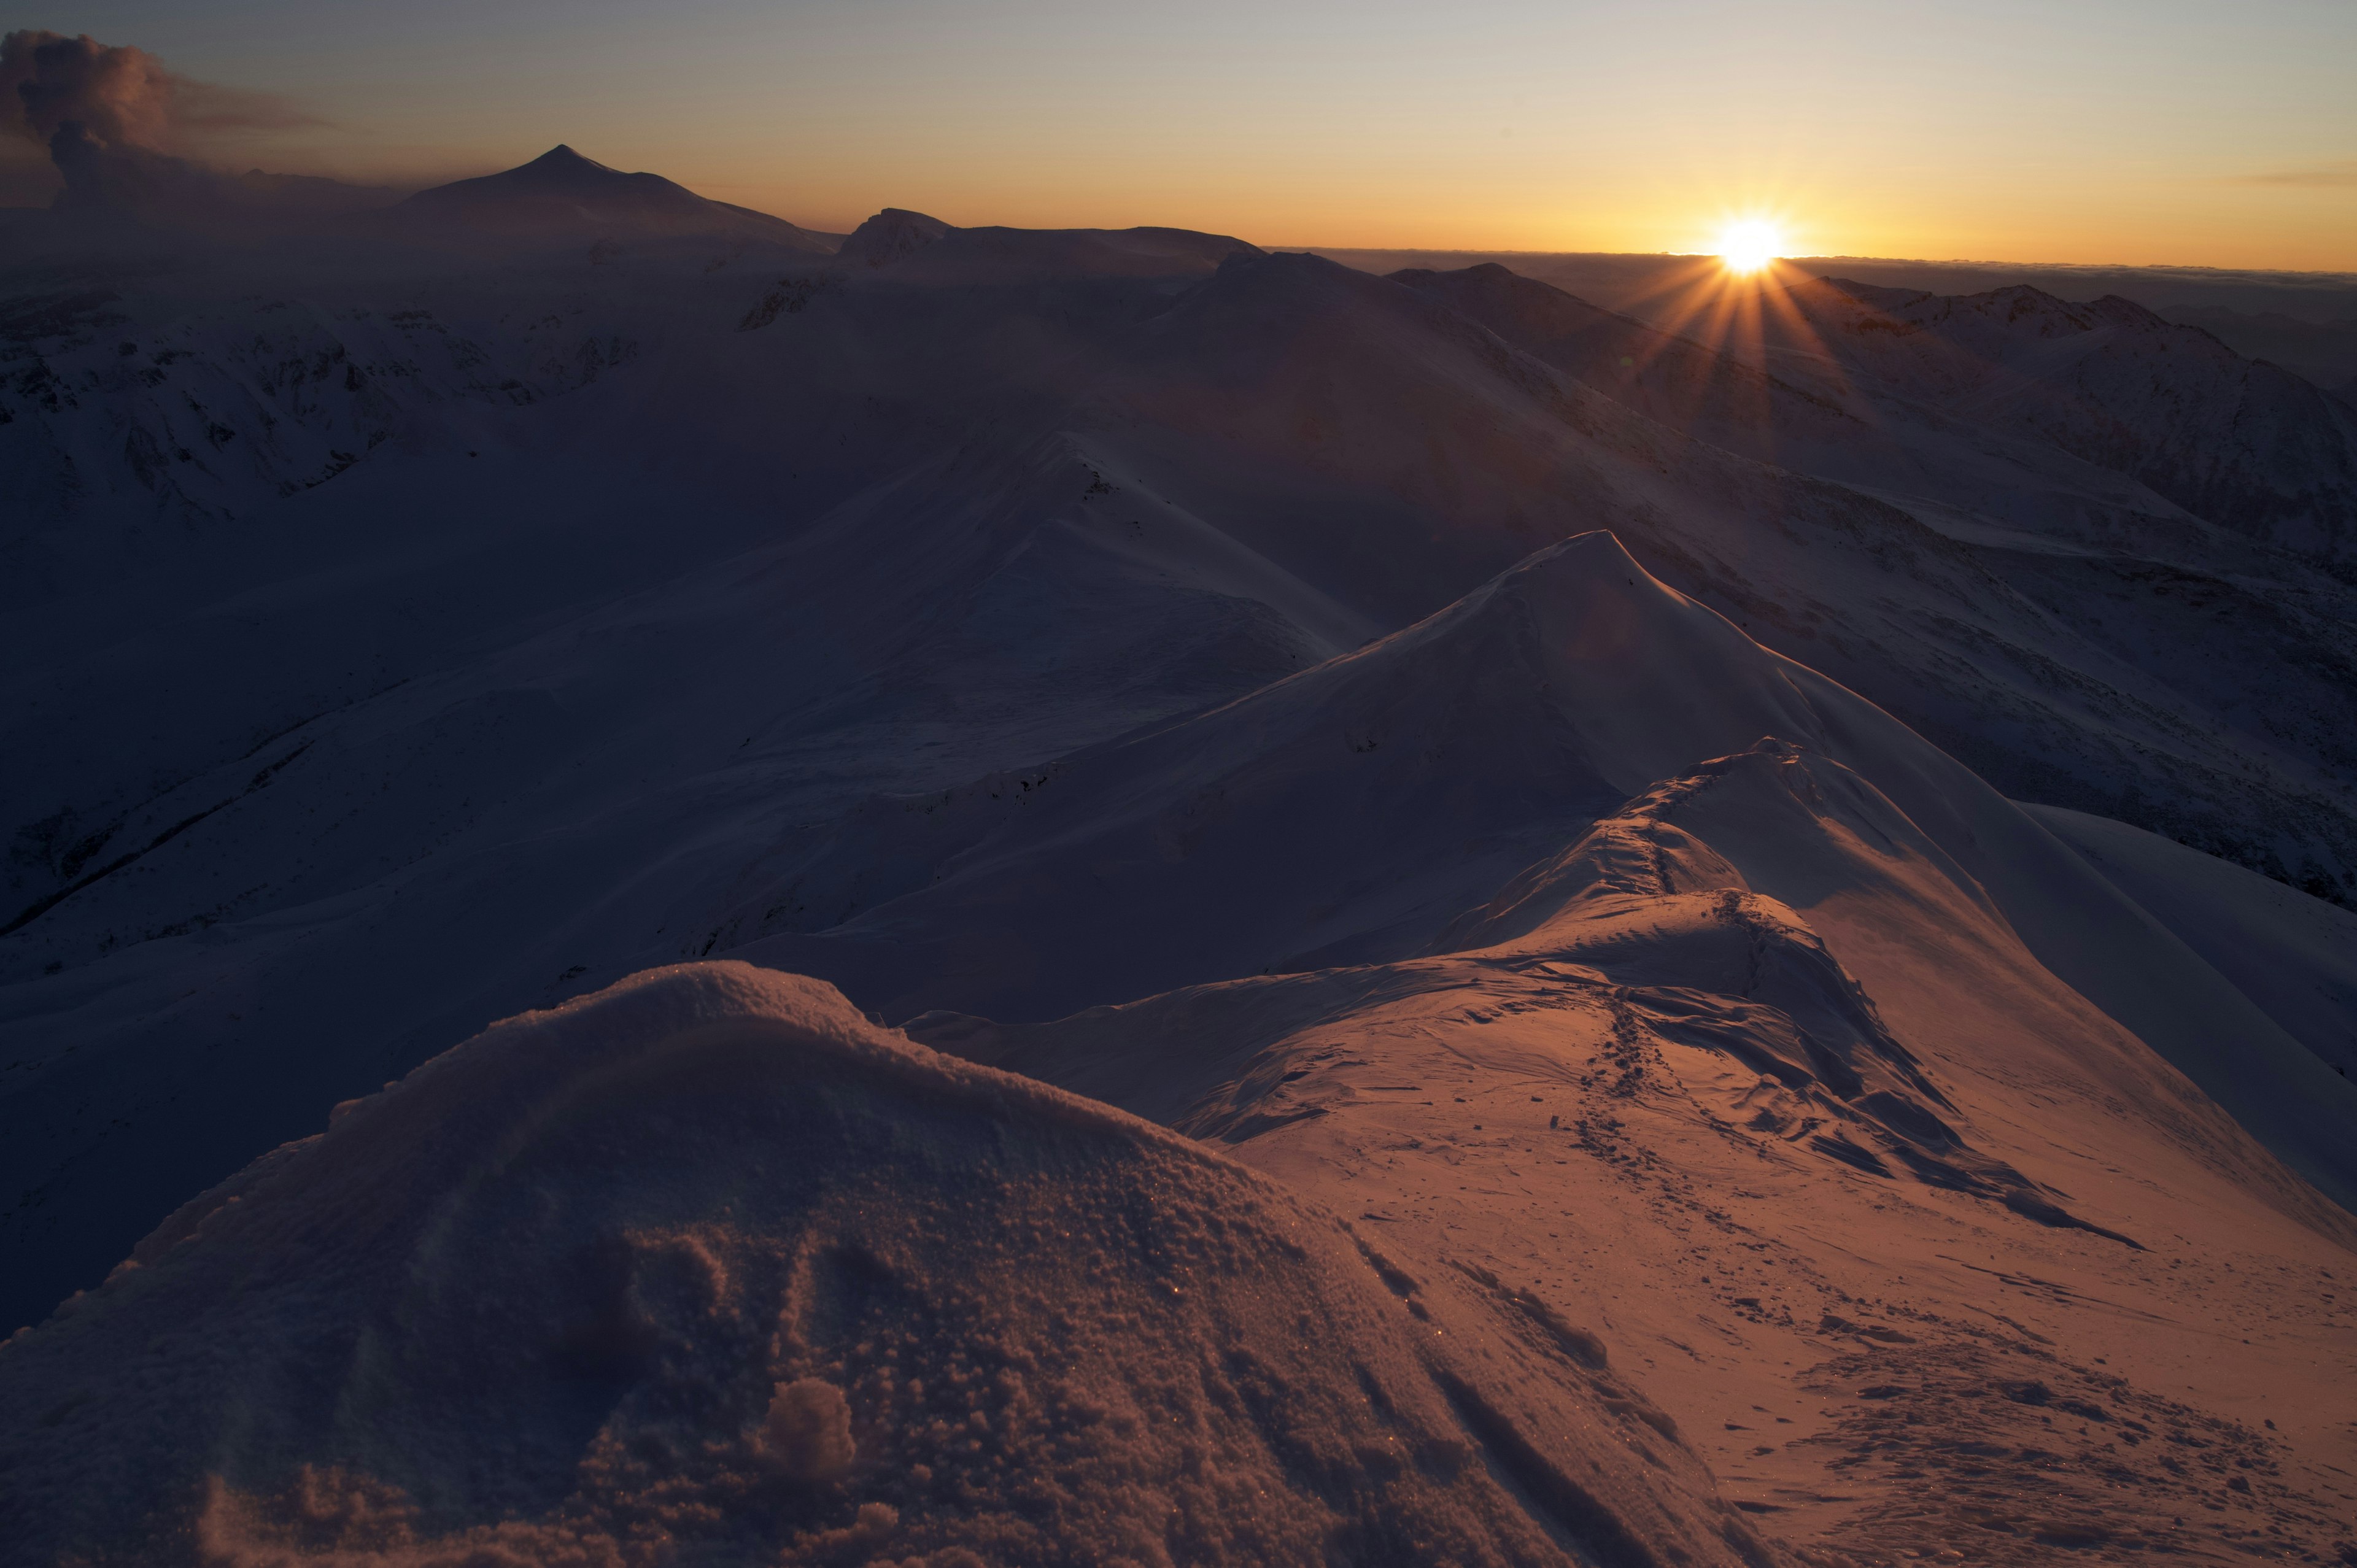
[1153, 900]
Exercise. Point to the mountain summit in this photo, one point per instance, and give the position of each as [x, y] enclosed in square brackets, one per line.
[561, 193]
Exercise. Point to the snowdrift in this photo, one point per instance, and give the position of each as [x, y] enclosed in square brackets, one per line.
[707, 1267]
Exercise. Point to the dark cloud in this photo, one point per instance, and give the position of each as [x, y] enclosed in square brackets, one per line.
[117, 96]
[115, 122]
[122, 96]
[27, 177]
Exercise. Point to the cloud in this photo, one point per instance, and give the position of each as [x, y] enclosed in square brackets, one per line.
[115, 120]
[120, 96]
[204, 108]
[2318, 177]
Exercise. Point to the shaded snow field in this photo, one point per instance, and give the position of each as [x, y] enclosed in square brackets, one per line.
[1353, 920]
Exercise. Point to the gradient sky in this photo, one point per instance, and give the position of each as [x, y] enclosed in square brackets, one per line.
[2122, 131]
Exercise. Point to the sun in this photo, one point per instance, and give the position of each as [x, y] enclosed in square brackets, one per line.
[1748, 245]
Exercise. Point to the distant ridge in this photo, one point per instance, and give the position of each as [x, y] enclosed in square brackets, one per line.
[935, 252]
[891, 234]
[563, 193]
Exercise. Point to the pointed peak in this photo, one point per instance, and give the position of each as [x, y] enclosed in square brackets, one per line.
[1596, 555]
[561, 162]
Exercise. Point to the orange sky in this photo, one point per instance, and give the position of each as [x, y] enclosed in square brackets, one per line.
[2118, 131]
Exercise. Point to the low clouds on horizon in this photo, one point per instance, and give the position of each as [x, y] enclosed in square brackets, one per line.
[2323, 177]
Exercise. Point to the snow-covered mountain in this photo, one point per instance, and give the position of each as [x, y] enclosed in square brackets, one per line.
[2074, 635]
[2237, 441]
[1638, 860]
[562, 195]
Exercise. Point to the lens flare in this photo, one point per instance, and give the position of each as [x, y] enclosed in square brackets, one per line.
[1748, 246]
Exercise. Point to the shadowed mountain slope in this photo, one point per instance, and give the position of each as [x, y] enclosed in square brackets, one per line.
[2239, 442]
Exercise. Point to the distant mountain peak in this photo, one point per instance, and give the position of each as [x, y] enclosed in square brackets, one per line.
[892, 233]
[562, 191]
[561, 159]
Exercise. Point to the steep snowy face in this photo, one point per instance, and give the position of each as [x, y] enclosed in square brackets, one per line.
[169, 376]
[707, 1267]
[2241, 443]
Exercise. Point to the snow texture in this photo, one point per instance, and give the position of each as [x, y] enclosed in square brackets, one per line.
[1625, 943]
[705, 1265]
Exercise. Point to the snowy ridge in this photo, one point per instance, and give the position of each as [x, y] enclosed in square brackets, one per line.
[785, 1335]
[2239, 442]
[1350, 813]
[1543, 793]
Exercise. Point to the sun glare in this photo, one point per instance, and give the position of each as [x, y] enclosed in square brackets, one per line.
[1748, 246]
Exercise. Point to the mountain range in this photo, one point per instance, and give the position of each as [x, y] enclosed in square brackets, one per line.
[680, 889]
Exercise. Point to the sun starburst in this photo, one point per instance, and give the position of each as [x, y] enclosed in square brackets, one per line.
[1747, 245]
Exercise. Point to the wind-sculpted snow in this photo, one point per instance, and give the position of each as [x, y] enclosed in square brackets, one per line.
[706, 1268]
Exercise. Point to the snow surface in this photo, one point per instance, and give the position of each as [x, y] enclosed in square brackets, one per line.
[1348, 814]
[2296, 960]
[707, 1266]
[1556, 815]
